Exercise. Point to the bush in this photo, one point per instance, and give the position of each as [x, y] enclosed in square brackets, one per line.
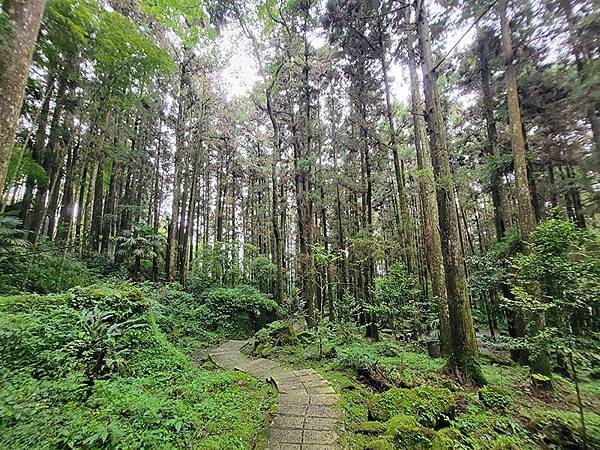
[181, 316]
[405, 432]
[431, 405]
[483, 429]
[44, 272]
[273, 335]
[237, 312]
[144, 394]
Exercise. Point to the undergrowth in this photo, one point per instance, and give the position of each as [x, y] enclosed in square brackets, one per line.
[104, 367]
[418, 405]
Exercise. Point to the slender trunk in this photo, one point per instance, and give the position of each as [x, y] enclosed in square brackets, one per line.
[493, 150]
[427, 195]
[464, 357]
[541, 363]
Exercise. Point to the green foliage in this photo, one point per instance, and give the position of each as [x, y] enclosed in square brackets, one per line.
[405, 432]
[490, 430]
[397, 298]
[180, 315]
[494, 397]
[236, 312]
[143, 394]
[562, 429]
[43, 271]
[141, 242]
[432, 405]
[28, 167]
[277, 333]
[370, 427]
[260, 273]
[564, 263]
[11, 241]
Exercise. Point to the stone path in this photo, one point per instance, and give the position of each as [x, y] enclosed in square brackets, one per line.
[307, 418]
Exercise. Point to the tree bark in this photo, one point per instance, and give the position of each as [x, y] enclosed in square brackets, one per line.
[24, 18]
[427, 195]
[464, 357]
[541, 363]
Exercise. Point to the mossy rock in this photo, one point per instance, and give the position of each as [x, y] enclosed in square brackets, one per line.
[494, 397]
[431, 405]
[370, 427]
[264, 349]
[275, 334]
[405, 432]
[380, 444]
[446, 438]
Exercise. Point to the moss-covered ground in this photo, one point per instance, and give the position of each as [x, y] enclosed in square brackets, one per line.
[395, 396]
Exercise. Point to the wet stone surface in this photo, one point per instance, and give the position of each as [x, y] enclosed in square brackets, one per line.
[307, 418]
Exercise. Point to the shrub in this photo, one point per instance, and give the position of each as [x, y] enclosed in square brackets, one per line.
[405, 432]
[44, 272]
[237, 312]
[484, 429]
[275, 334]
[143, 394]
[181, 316]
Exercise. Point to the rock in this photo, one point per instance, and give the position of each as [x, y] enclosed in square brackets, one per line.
[371, 427]
[405, 432]
[431, 405]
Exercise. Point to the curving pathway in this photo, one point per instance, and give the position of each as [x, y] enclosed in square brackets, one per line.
[306, 418]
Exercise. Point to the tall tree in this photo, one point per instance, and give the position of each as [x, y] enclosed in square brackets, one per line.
[24, 19]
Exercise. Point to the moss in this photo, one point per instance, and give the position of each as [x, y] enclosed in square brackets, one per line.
[405, 432]
[370, 427]
[485, 429]
[446, 438]
[275, 334]
[563, 428]
[380, 444]
[469, 367]
[432, 405]
[495, 398]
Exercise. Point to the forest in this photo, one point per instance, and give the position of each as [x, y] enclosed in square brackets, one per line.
[299, 224]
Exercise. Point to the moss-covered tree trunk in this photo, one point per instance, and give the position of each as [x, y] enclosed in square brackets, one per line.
[464, 358]
[427, 195]
[541, 363]
[15, 57]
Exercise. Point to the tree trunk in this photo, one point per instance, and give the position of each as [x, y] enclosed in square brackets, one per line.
[427, 195]
[464, 358]
[540, 364]
[24, 19]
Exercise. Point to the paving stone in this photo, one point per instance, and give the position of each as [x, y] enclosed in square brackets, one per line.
[280, 446]
[293, 399]
[324, 399]
[322, 423]
[316, 382]
[293, 410]
[284, 436]
[319, 437]
[307, 418]
[288, 386]
[285, 421]
[320, 390]
[323, 411]
[320, 447]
